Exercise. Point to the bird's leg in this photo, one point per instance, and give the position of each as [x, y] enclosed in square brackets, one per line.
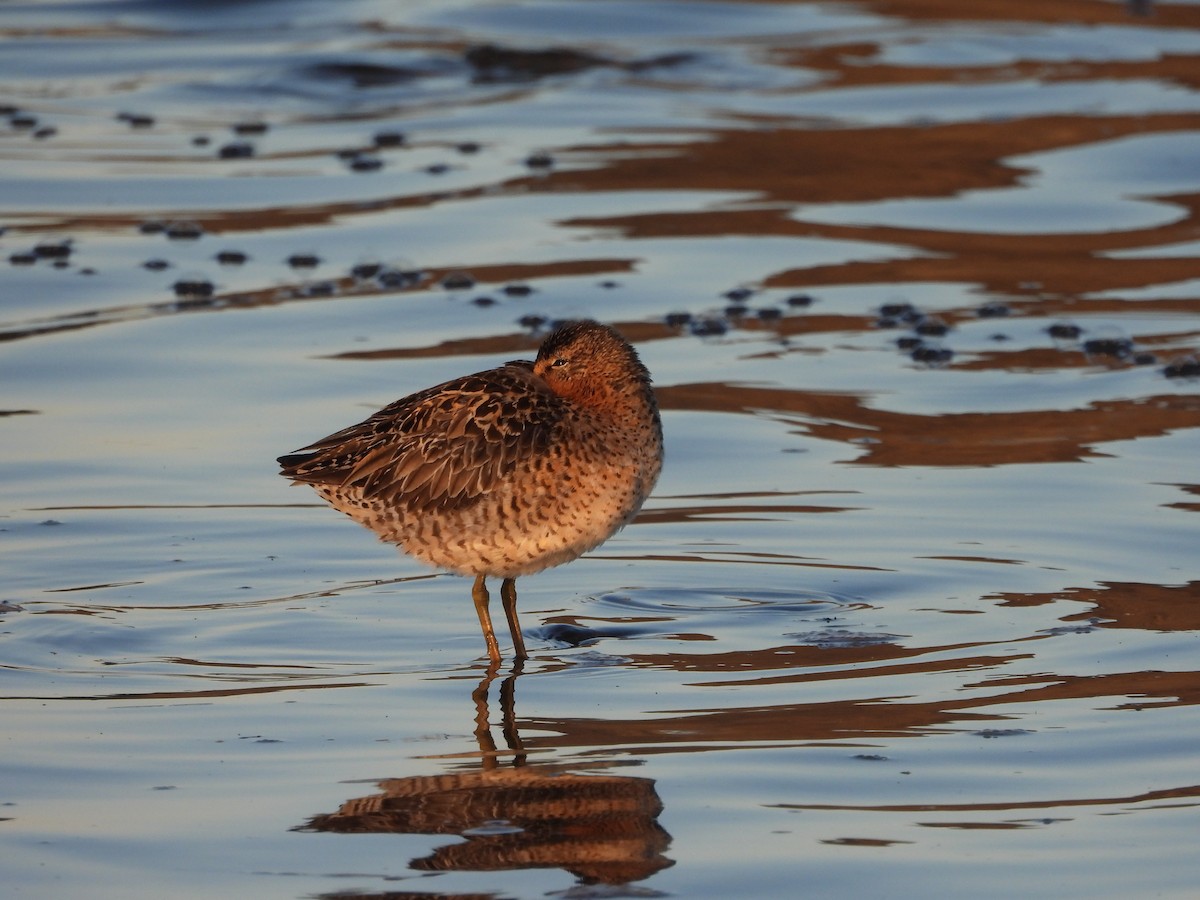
[480, 595]
[508, 596]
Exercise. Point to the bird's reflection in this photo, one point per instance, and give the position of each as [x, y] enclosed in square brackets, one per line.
[602, 828]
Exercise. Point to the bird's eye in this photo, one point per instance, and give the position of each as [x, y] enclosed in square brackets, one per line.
[559, 362]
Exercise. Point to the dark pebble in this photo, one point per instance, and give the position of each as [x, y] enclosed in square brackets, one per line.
[1144, 359]
[201, 140]
[769, 314]
[136, 120]
[539, 161]
[319, 289]
[468, 147]
[304, 260]
[457, 281]
[736, 310]
[22, 258]
[152, 228]
[902, 311]
[737, 295]
[437, 169]
[678, 319]
[609, 285]
[236, 150]
[390, 139]
[156, 265]
[245, 128]
[709, 327]
[800, 300]
[52, 250]
[932, 356]
[484, 301]
[231, 257]
[193, 287]
[183, 231]
[365, 163]
[1066, 331]
[908, 342]
[366, 270]
[399, 278]
[42, 133]
[1118, 347]
[516, 290]
[993, 311]
[932, 327]
[531, 321]
[1183, 367]
[22, 120]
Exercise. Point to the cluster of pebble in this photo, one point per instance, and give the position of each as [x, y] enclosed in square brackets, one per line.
[457, 282]
[24, 121]
[736, 311]
[56, 252]
[922, 342]
[360, 276]
[1120, 349]
[923, 346]
[366, 158]
[20, 120]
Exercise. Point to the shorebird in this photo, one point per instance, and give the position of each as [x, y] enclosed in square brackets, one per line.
[505, 472]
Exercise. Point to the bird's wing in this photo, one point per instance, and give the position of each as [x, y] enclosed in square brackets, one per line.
[444, 446]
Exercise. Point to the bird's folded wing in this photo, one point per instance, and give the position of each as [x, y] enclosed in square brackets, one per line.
[445, 446]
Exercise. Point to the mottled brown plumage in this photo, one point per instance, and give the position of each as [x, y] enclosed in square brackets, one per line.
[505, 472]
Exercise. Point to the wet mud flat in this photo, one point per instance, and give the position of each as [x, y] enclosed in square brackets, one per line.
[913, 607]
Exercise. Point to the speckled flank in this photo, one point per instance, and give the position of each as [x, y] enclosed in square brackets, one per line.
[505, 472]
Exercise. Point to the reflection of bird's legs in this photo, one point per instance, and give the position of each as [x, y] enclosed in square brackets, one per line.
[508, 715]
[480, 595]
[483, 731]
[508, 595]
[488, 752]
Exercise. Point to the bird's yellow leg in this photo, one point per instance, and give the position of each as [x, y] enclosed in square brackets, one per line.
[480, 595]
[508, 596]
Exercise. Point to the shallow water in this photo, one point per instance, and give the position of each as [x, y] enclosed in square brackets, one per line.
[914, 606]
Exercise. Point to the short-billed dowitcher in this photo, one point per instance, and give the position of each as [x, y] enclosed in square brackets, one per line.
[504, 472]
